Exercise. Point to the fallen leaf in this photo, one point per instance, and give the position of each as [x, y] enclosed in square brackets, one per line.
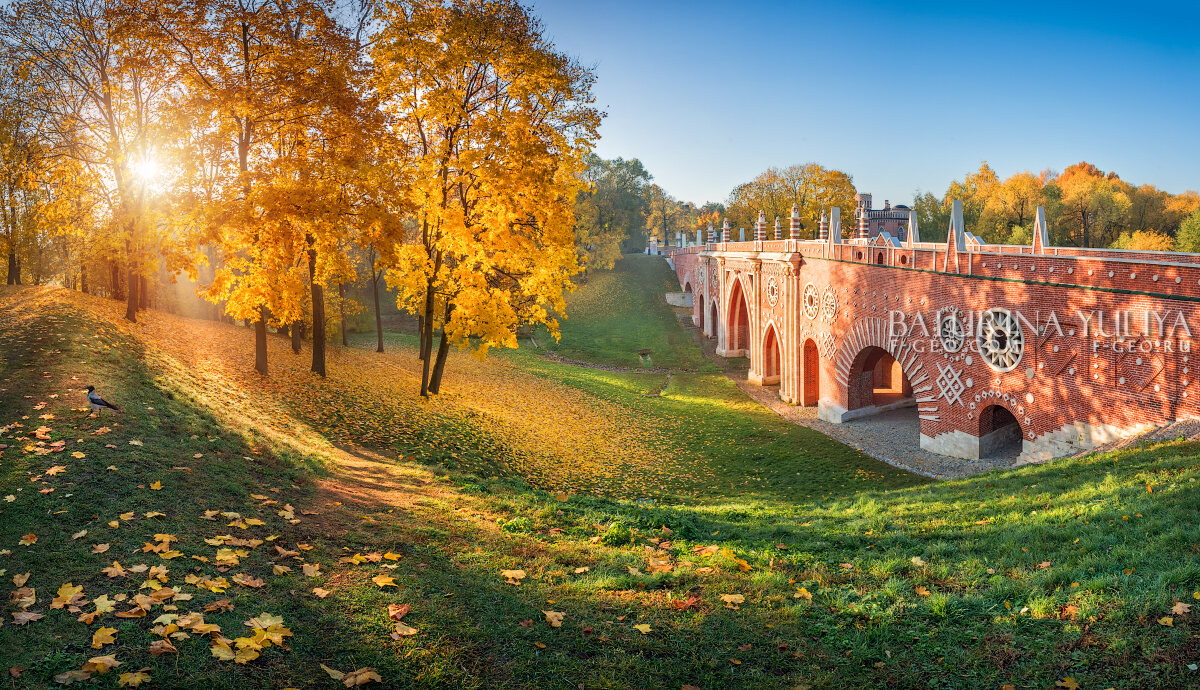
[101, 664]
[733, 601]
[103, 636]
[643, 628]
[554, 618]
[321, 593]
[134, 679]
[384, 581]
[513, 577]
[361, 676]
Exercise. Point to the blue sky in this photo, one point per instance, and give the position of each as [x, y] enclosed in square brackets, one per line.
[900, 95]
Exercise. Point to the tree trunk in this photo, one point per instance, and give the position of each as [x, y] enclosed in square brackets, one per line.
[14, 269]
[144, 290]
[378, 317]
[342, 312]
[260, 341]
[131, 304]
[435, 386]
[83, 278]
[115, 279]
[421, 331]
[439, 366]
[295, 338]
[426, 338]
[318, 313]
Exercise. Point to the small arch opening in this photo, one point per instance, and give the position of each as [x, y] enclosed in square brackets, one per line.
[1000, 434]
[879, 258]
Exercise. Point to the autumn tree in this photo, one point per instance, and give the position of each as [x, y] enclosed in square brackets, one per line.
[103, 81]
[1188, 237]
[609, 210]
[1093, 205]
[268, 89]
[1145, 240]
[663, 216]
[810, 186]
[498, 123]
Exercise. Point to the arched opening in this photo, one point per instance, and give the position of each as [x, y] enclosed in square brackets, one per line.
[1000, 433]
[687, 287]
[700, 323]
[879, 258]
[712, 319]
[876, 380]
[810, 391]
[737, 324]
[770, 361]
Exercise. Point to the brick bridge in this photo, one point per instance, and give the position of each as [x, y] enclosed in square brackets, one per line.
[1046, 350]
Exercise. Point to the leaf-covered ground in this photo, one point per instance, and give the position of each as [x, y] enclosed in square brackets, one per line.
[539, 526]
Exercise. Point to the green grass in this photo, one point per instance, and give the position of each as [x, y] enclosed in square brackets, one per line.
[613, 314]
[1033, 575]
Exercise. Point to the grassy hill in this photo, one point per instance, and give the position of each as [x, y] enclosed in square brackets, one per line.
[692, 538]
[613, 314]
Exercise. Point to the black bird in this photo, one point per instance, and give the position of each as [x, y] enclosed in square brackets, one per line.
[97, 402]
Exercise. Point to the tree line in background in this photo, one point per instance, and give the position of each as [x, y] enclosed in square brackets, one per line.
[267, 154]
[1085, 207]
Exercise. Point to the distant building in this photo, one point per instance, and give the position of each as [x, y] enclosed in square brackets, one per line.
[890, 219]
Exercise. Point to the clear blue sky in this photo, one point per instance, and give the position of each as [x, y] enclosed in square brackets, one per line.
[901, 95]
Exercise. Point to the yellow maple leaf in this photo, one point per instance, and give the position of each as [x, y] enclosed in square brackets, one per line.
[513, 577]
[101, 664]
[1068, 683]
[134, 679]
[643, 628]
[733, 601]
[320, 592]
[156, 486]
[554, 618]
[103, 636]
[29, 539]
[803, 593]
[384, 581]
[1181, 608]
[1167, 621]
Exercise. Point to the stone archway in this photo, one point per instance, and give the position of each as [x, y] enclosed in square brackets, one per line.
[700, 322]
[737, 323]
[713, 323]
[771, 356]
[876, 380]
[810, 384]
[1000, 433]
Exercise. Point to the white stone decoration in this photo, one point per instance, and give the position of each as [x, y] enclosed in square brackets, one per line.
[772, 290]
[1001, 340]
[811, 301]
[829, 304]
[950, 331]
[949, 380]
[716, 278]
[827, 345]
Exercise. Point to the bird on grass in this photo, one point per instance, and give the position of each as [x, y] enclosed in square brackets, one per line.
[97, 402]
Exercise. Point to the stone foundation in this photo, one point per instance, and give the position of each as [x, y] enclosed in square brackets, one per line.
[833, 413]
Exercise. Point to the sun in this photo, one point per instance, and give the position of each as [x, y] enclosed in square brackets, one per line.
[148, 173]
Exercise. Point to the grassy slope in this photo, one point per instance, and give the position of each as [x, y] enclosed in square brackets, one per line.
[1032, 575]
[616, 313]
